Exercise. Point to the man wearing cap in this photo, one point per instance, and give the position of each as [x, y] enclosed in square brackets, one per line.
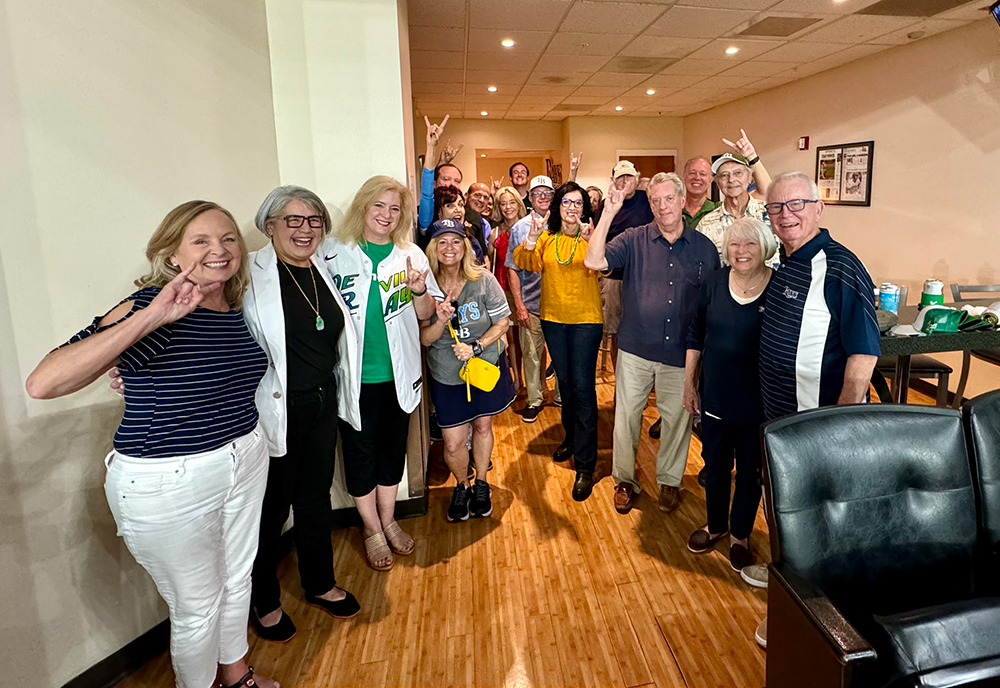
[526, 288]
[697, 185]
[663, 264]
[634, 212]
[819, 339]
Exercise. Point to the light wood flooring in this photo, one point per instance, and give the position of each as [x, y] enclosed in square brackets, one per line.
[545, 592]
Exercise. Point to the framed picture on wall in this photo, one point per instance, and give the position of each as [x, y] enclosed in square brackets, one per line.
[844, 173]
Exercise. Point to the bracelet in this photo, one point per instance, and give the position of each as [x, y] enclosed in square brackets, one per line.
[418, 293]
[753, 161]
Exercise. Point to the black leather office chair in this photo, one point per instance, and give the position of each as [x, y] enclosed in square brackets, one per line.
[873, 529]
[982, 425]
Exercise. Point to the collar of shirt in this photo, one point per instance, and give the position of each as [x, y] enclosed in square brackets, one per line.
[708, 206]
[753, 208]
[653, 233]
[808, 250]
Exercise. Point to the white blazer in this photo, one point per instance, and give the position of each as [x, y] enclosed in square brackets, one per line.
[351, 270]
[265, 316]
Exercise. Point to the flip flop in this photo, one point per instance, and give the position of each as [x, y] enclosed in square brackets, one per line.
[377, 549]
[392, 533]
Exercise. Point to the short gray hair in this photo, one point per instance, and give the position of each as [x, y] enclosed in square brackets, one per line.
[661, 177]
[797, 176]
[274, 205]
[750, 228]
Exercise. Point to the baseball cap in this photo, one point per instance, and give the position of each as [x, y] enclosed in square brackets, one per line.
[541, 180]
[938, 319]
[446, 226]
[729, 157]
[624, 167]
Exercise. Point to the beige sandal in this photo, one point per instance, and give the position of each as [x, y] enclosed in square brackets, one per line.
[393, 533]
[377, 549]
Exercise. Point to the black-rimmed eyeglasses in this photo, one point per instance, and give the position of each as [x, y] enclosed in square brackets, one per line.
[296, 221]
[794, 205]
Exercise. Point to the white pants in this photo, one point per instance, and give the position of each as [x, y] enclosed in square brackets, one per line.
[192, 523]
[634, 378]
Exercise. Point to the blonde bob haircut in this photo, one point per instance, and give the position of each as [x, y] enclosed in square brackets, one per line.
[750, 228]
[470, 270]
[167, 239]
[352, 227]
[497, 213]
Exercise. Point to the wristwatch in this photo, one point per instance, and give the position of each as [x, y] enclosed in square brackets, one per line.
[477, 348]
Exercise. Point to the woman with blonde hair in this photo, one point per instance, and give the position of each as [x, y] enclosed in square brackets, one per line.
[384, 280]
[508, 208]
[469, 322]
[187, 474]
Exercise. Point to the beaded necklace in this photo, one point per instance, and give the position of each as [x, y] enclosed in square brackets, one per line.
[576, 240]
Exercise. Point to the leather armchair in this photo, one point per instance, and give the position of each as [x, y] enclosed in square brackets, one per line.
[876, 577]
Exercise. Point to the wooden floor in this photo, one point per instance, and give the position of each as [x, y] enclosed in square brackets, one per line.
[545, 592]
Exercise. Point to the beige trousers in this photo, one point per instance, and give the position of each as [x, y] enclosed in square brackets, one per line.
[532, 346]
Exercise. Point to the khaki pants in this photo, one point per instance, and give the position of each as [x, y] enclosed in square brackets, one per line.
[634, 378]
[532, 346]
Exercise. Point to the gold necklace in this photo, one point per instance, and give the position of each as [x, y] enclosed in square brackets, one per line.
[319, 319]
[747, 290]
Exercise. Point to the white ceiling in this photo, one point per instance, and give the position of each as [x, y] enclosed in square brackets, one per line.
[587, 57]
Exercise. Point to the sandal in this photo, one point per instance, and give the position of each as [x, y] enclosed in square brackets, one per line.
[393, 534]
[248, 681]
[377, 549]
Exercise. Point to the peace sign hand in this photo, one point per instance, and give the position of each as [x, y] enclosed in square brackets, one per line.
[179, 296]
[538, 225]
[415, 280]
[742, 146]
[434, 131]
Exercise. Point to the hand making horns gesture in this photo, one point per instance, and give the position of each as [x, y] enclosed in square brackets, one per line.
[742, 146]
[538, 225]
[415, 279]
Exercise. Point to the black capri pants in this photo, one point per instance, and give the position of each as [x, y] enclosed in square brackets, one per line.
[376, 454]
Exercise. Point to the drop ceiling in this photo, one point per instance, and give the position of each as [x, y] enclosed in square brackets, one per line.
[593, 57]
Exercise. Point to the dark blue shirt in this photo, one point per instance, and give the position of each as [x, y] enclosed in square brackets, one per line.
[660, 283]
[634, 212]
[820, 310]
[189, 385]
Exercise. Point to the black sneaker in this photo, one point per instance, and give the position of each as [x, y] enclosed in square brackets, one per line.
[458, 510]
[530, 413]
[654, 429]
[472, 470]
[550, 372]
[482, 506]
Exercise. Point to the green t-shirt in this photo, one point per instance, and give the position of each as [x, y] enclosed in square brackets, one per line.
[708, 206]
[376, 362]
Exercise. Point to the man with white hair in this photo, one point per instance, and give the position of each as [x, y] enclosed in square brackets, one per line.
[663, 264]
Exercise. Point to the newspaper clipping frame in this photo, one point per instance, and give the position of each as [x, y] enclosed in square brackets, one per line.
[844, 173]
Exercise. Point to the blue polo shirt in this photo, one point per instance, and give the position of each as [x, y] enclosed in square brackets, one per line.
[820, 309]
[660, 283]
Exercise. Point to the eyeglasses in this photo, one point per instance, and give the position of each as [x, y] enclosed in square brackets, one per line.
[794, 205]
[542, 194]
[296, 221]
[736, 174]
[570, 203]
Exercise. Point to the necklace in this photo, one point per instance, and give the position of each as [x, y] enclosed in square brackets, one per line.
[576, 240]
[319, 319]
[747, 290]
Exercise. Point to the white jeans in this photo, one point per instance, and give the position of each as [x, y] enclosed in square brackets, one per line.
[192, 523]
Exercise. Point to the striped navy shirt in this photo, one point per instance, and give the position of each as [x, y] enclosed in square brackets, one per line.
[820, 309]
[189, 385]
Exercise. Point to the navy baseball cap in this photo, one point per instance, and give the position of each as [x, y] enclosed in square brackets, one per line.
[446, 226]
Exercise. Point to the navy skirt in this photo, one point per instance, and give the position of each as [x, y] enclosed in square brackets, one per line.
[453, 409]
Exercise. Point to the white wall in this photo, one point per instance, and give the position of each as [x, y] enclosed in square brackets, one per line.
[111, 114]
[600, 139]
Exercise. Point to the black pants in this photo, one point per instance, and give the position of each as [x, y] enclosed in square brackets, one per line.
[301, 479]
[573, 349]
[376, 454]
[722, 442]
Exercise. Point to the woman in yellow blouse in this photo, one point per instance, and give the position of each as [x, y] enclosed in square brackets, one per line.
[571, 320]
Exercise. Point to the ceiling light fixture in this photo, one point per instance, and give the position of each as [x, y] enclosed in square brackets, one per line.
[619, 108]
[484, 113]
[507, 43]
[650, 91]
[492, 89]
[732, 51]
[482, 155]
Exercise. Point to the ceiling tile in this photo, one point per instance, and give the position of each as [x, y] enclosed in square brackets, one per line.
[615, 79]
[637, 65]
[546, 90]
[432, 113]
[716, 50]
[772, 82]
[671, 82]
[557, 78]
[436, 13]
[529, 100]
[926, 28]
[599, 91]
[609, 109]
[521, 115]
[702, 68]
[634, 102]
[435, 89]
[585, 100]
[733, 4]
[662, 46]
[803, 50]
[570, 63]
[487, 98]
[532, 107]
[435, 59]
[436, 38]
[496, 77]
[504, 61]
[610, 17]
[756, 68]
[518, 15]
[698, 22]
[859, 28]
[854, 52]
[440, 102]
[692, 95]
[434, 76]
[525, 42]
[475, 114]
[575, 43]
[640, 92]
[822, 6]
[978, 9]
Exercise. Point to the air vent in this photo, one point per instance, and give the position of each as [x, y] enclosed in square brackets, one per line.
[575, 108]
[779, 27]
[910, 8]
[637, 65]
[555, 79]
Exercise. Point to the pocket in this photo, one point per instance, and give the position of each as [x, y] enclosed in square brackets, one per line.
[148, 484]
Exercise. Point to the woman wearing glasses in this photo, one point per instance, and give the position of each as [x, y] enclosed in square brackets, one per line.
[469, 322]
[571, 320]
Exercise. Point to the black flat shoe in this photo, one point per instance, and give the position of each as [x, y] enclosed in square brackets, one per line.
[583, 486]
[281, 632]
[562, 453]
[341, 609]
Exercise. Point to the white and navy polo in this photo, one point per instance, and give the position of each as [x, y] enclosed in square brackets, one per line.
[820, 309]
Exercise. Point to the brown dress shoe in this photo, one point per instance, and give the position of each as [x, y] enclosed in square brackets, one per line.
[624, 496]
[670, 498]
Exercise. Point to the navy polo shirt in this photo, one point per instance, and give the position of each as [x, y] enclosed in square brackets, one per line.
[660, 284]
[820, 310]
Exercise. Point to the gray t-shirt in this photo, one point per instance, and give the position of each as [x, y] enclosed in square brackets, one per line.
[480, 304]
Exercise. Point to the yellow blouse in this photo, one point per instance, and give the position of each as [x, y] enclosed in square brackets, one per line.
[570, 293]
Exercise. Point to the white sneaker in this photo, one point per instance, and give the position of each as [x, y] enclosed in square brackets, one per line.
[755, 575]
[760, 635]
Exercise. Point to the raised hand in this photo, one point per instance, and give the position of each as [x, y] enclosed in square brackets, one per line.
[415, 280]
[449, 153]
[574, 162]
[742, 146]
[614, 200]
[444, 310]
[586, 229]
[538, 225]
[434, 131]
[495, 184]
[179, 296]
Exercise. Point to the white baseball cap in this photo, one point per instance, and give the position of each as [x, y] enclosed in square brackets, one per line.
[541, 180]
[624, 167]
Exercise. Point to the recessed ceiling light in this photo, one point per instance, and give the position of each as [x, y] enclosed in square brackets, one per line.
[732, 51]
[492, 89]
[507, 43]
[619, 108]
[650, 91]
[482, 155]
[484, 113]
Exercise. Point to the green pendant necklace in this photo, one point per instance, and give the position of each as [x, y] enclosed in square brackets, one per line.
[319, 319]
[576, 240]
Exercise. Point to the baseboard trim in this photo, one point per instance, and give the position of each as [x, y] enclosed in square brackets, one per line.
[130, 658]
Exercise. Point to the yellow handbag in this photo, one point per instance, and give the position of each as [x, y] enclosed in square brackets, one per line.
[477, 372]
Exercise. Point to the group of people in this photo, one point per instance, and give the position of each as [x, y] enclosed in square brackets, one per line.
[239, 370]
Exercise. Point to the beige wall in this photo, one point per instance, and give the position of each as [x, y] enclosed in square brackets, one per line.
[932, 109]
[601, 138]
[110, 115]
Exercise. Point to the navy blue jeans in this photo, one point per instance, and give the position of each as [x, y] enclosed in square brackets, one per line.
[573, 349]
[722, 444]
